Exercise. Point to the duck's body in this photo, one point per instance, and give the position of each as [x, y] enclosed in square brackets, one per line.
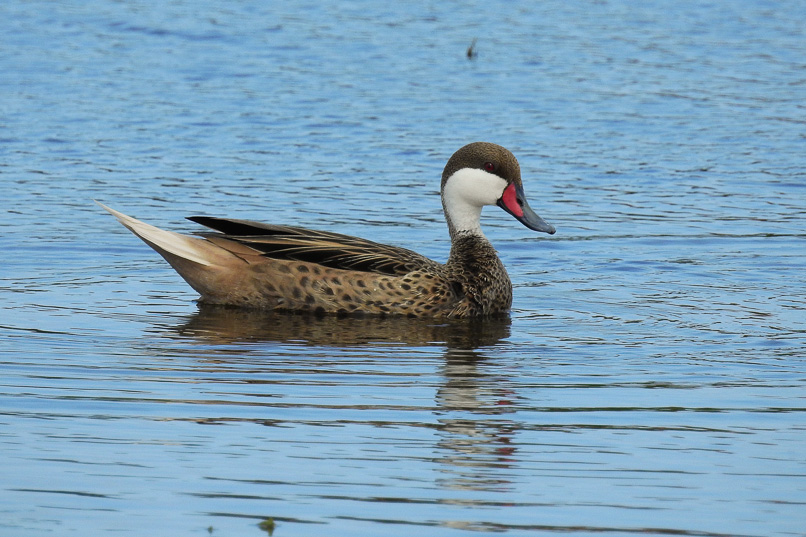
[248, 264]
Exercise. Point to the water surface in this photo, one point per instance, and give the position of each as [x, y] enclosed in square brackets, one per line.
[650, 379]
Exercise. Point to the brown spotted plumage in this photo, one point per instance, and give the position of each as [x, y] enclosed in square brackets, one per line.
[254, 265]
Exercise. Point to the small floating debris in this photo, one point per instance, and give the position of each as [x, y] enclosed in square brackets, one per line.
[471, 50]
[267, 525]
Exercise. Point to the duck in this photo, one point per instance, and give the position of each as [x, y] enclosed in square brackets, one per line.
[247, 264]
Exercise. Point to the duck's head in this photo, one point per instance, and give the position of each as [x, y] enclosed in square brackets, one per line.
[482, 174]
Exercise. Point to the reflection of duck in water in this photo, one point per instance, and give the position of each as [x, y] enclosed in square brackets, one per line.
[477, 424]
[473, 440]
[217, 324]
[273, 267]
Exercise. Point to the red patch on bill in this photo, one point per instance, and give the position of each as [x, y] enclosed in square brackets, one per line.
[511, 200]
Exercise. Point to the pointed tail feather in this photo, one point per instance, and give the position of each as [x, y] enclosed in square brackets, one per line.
[213, 268]
[168, 242]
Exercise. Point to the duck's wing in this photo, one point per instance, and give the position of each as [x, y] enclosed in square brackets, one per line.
[318, 247]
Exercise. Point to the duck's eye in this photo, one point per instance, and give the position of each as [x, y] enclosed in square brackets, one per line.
[489, 166]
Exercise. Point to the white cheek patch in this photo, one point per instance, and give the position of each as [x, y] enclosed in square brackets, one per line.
[466, 192]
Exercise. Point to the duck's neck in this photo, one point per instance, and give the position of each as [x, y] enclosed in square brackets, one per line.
[473, 254]
[463, 219]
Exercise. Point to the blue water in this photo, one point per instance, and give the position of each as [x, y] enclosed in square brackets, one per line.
[651, 378]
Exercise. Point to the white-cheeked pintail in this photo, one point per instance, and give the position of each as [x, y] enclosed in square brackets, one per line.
[254, 265]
